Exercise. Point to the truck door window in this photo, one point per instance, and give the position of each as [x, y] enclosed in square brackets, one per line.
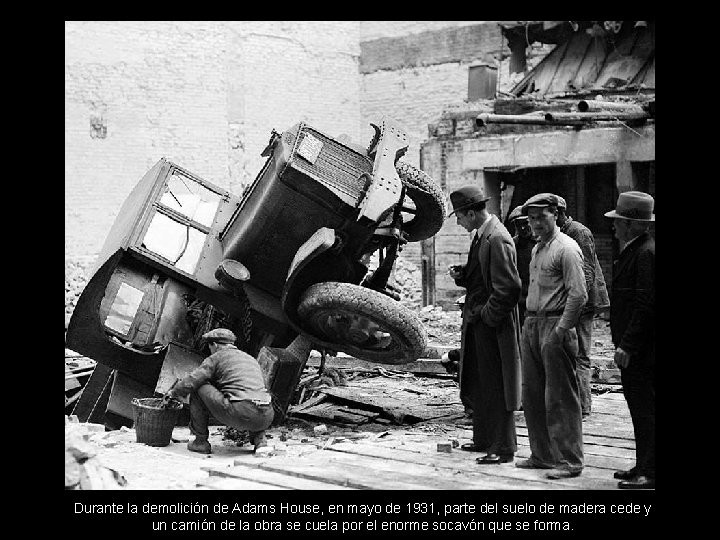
[123, 309]
[177, 242]
[190, 199]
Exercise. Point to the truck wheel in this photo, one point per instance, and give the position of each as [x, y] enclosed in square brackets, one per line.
[362, 322]
[428, 199]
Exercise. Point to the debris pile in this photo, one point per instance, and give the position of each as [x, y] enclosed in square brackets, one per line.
[75, 281]
[443, 327]
[83, 469]
[407, 278]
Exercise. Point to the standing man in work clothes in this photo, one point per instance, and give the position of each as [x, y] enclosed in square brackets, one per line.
[632, 324]
[229, 384]
[556, 296]
[597, 299]
[490, 364]
[524, 244]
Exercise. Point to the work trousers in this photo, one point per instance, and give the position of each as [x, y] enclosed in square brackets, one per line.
[584, 367]
[551, 402]
[242, 415]
[493, 424]
[638, 380]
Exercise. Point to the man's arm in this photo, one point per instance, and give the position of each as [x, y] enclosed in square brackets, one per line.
[587, 245]
[505, 281]
[574, 279]
[195, 379]
[642, 318]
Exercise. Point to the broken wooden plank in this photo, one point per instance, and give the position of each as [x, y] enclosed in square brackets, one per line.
[331, 412]
[422, 365]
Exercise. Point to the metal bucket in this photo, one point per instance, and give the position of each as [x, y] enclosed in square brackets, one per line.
[154, 424]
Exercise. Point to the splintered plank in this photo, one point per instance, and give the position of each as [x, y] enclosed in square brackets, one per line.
[271, 479]
[421, 365]
[404, 402]
[505, 476]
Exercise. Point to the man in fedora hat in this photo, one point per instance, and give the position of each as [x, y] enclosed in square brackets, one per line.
[632, 325]
[597, 301]
[524, 244]
[229, 384]
[556, 295]
[490, 354]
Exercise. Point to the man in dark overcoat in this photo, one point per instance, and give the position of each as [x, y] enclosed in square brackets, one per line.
[490, 370]
[632, 324]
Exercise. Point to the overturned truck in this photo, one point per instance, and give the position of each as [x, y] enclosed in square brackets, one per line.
[286, 266]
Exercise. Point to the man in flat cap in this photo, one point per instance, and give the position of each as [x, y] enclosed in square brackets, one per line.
[556, 296]
[229, 384]
[524, 243]
[490, 364]
[632, 325]
[597, 302]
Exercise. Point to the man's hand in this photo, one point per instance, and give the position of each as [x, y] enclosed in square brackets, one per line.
[622, 358]
[455, 271]
[168, 397]
[560, 331]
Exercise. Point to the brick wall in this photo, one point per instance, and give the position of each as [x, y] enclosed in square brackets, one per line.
[203, 94]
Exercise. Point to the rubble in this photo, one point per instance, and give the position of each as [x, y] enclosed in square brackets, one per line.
[83, 468]
[75, 281]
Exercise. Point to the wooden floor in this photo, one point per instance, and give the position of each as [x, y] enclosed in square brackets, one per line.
[409, 459]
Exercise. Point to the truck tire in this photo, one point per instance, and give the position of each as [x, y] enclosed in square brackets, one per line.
[429, 201]
[362, 322]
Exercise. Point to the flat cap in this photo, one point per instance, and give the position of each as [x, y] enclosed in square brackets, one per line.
[220, 335]
[561, 202]
[540, 200]
[466, 196]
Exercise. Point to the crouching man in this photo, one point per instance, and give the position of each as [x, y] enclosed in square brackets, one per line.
[229, 384]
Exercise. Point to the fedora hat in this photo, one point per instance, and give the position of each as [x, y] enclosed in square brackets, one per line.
[466, 196]
[634, 205]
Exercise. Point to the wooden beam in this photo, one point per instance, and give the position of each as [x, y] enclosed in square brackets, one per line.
[556, 148]
[423, 365]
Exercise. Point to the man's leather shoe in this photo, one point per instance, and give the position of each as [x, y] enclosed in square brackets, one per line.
[625, 475]
[560, 474]
[529, 464]
[199, 445]
[495, 459]
[471, 447]
[639, 482]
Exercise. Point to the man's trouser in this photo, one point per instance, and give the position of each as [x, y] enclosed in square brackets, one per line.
[242, 415]
[638, 381]
[551, 403]
[584, 368]
[493, 424]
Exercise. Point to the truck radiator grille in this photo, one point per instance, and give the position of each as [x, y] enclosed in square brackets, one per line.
[336, 167]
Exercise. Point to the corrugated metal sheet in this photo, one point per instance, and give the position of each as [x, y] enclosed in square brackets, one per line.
[587, 62]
